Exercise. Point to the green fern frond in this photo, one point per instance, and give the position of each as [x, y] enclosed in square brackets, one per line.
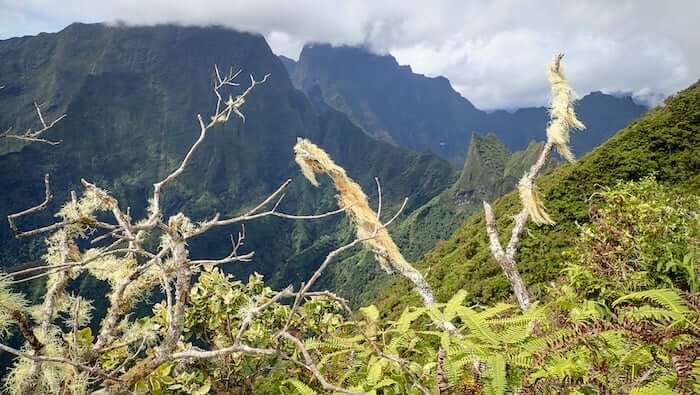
[496, 372]
[300, 387]
[496, 310]
[666, 297]
[453, 304]
[477, 325]
[407, 317]
[386, 382]
[661, 386]
[639, 356]
[330, 356]
[401, 341]
[523, 360]
[555, 340]
[457, 368]
[514, 334]
[651, 313]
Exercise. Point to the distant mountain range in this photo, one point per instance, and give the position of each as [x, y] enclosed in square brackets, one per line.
[392, 103]
[132, 93]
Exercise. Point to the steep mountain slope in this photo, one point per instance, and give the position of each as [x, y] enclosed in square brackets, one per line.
[664, 143]
[131, 95]
[391, 102]
[289, 64]
[489, 171]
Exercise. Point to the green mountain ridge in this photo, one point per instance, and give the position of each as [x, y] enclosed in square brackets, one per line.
[131, 95]
[489, 171]
[664, 143]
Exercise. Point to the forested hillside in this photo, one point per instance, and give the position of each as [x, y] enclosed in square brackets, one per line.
[665, 143]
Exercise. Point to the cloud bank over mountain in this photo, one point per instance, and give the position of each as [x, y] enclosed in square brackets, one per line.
[493, 52]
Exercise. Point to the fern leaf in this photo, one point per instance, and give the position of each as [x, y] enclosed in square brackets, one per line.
[665, 297]
[497, 373]
[477, 325]
[661, 386]
[496, 310]
[407, 317]
[300, 387]
[454, 303]
[647, 312]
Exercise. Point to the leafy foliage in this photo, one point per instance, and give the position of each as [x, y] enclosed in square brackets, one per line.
[634, 337]
[622, 316]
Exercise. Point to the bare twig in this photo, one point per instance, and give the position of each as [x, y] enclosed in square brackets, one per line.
[232, 257]
[62, 267]
[40, 358]
[255, 213]
[507, 264]
[220, 116]
[35, 135]
[312, 280]
[39, 207]
[379, 198]
[202, 354]
[26, 330]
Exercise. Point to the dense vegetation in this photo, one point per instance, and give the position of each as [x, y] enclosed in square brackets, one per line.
[622, 317]
[157, 76]
[615, 304]
[664, 143]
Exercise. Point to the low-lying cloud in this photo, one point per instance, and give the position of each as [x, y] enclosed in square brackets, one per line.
[493, 52]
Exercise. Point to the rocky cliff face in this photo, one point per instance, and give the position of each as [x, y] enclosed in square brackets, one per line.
[388, 101]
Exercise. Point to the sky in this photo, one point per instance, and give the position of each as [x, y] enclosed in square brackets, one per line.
[494, 52]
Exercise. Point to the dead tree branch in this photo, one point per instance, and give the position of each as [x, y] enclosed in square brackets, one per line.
[563, 119]
[35, 135]
[39, 207]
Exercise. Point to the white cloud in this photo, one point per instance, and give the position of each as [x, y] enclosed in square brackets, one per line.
[493, 51]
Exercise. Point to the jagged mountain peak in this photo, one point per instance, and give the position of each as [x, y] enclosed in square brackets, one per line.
[393, 103]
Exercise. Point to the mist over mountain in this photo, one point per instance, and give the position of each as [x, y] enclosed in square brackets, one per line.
[391, 102]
